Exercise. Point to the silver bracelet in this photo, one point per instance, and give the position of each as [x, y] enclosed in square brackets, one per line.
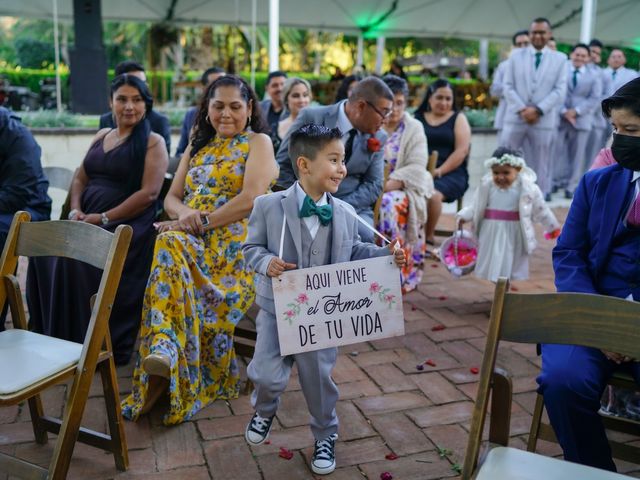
[72, 214]
[104, 217]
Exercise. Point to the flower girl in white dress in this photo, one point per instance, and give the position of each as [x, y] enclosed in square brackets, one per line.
[505, 207]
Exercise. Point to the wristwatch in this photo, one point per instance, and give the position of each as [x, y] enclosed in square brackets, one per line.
[104, 217]
[72, 214]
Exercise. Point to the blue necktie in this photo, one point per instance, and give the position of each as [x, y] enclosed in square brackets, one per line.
[538, 59]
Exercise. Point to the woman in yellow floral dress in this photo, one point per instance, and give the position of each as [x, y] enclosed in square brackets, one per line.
[199, 288]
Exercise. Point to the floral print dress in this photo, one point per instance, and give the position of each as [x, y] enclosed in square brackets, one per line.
[393, 218]
[197, 292]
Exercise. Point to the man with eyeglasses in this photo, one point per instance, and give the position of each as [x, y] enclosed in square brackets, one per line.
[535, 86]
[519, 40]
[359, 118]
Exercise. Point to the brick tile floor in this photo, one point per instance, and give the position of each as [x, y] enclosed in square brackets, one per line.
[386, 404]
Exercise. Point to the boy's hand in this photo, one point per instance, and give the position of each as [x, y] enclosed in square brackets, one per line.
[277, 266]
[398, 253]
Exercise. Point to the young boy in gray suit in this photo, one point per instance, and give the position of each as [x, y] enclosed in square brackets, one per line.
[319, 229]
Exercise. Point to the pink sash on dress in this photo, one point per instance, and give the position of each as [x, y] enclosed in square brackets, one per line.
[493, 214]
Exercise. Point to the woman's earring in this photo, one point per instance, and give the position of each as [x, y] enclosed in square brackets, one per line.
[207, 119]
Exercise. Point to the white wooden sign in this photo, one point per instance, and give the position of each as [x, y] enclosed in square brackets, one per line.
[338, 304]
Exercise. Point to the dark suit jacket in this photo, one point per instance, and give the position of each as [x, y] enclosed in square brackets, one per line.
[159, 124]
[187, 125]
[584, 246]
[22, 182]
[365, 170]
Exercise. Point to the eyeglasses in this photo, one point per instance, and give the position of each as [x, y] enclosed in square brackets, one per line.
[382, 114]
[522, 44]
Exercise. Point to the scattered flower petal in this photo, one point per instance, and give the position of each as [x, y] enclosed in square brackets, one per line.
[442, 297]
[386, 476]
[286, 454]
[430, 362]
[420, 367]
[434, 265]
[391, 456]
[514, 289]
[437, 328]
[267, 442]
[474, 370]
[413, 308]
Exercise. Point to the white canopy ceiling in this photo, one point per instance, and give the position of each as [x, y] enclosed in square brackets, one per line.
[616, 20]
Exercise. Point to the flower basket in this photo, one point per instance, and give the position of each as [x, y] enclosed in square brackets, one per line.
[459, 252]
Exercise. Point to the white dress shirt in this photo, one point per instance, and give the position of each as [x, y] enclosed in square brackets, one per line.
[312, 222]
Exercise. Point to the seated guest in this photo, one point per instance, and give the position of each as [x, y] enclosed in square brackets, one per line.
[199, 288]
[208, 77]
[159, 123]
[118, 182]
[359, 118]
[408, 185]
[297, 95]
[23, 185]
[273, 108]
[346, 87]
[448, 132]
[597, 252]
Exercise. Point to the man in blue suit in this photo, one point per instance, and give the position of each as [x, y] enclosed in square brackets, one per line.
[597, 252]
[359, 118]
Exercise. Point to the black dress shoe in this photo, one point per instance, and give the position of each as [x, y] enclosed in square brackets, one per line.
[547, 197]
[568, 194]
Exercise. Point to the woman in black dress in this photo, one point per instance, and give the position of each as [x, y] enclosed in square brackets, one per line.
[448, 132]
[118, 182]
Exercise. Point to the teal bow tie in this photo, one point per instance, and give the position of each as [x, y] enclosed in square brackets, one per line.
[309, 208]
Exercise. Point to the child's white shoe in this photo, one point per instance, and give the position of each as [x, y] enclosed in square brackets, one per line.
[324, 455]
[258, 429]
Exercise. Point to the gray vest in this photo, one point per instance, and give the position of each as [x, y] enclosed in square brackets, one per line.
[315, 251]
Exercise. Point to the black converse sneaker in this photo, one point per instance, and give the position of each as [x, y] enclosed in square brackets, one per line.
[324, 455]
[258, 429]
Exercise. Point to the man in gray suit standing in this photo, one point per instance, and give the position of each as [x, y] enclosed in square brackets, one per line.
[617, 72]
[584, 87]
[519, 40]
[359, 118]
[600, 125]
[535, 86]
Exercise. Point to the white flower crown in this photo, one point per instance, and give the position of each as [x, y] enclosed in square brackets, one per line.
[506, 159]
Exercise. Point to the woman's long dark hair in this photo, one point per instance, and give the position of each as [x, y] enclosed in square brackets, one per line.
[139, 137]
[440, 83]
[203, 131]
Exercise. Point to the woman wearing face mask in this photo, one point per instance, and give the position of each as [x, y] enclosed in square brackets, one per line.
[597, 252]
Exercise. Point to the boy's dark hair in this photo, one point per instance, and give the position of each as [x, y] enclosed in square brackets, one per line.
[500, 151]
[204, 79]
[308, 140]
[517, 34]
[128, 66]
[627, 97]
[274, 74]
[581, 45]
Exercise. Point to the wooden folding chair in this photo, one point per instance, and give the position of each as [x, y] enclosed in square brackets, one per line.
[562, 318]
[31, 363]
[541, 430]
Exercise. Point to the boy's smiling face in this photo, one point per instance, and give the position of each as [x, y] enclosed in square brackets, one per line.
[325, 172]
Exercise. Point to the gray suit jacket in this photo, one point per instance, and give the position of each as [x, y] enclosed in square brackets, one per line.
[599, 121]
[544, 87]
[623, 75]
[584, 97]
[265, 227]
[365, 170]
[497, 90]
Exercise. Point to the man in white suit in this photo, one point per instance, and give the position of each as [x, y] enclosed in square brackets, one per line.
[584, 87]
[617, 72]
[519, 40]
[534, 88]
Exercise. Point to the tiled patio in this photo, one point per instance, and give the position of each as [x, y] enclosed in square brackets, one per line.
[386, 405]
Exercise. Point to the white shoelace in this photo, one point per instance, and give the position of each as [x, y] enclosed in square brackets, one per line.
[324, 448]
[259, 424]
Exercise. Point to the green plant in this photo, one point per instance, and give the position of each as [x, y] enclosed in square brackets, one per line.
[53, 119]
[480, 118]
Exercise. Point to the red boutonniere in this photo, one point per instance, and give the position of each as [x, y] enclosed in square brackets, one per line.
[373, 145]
